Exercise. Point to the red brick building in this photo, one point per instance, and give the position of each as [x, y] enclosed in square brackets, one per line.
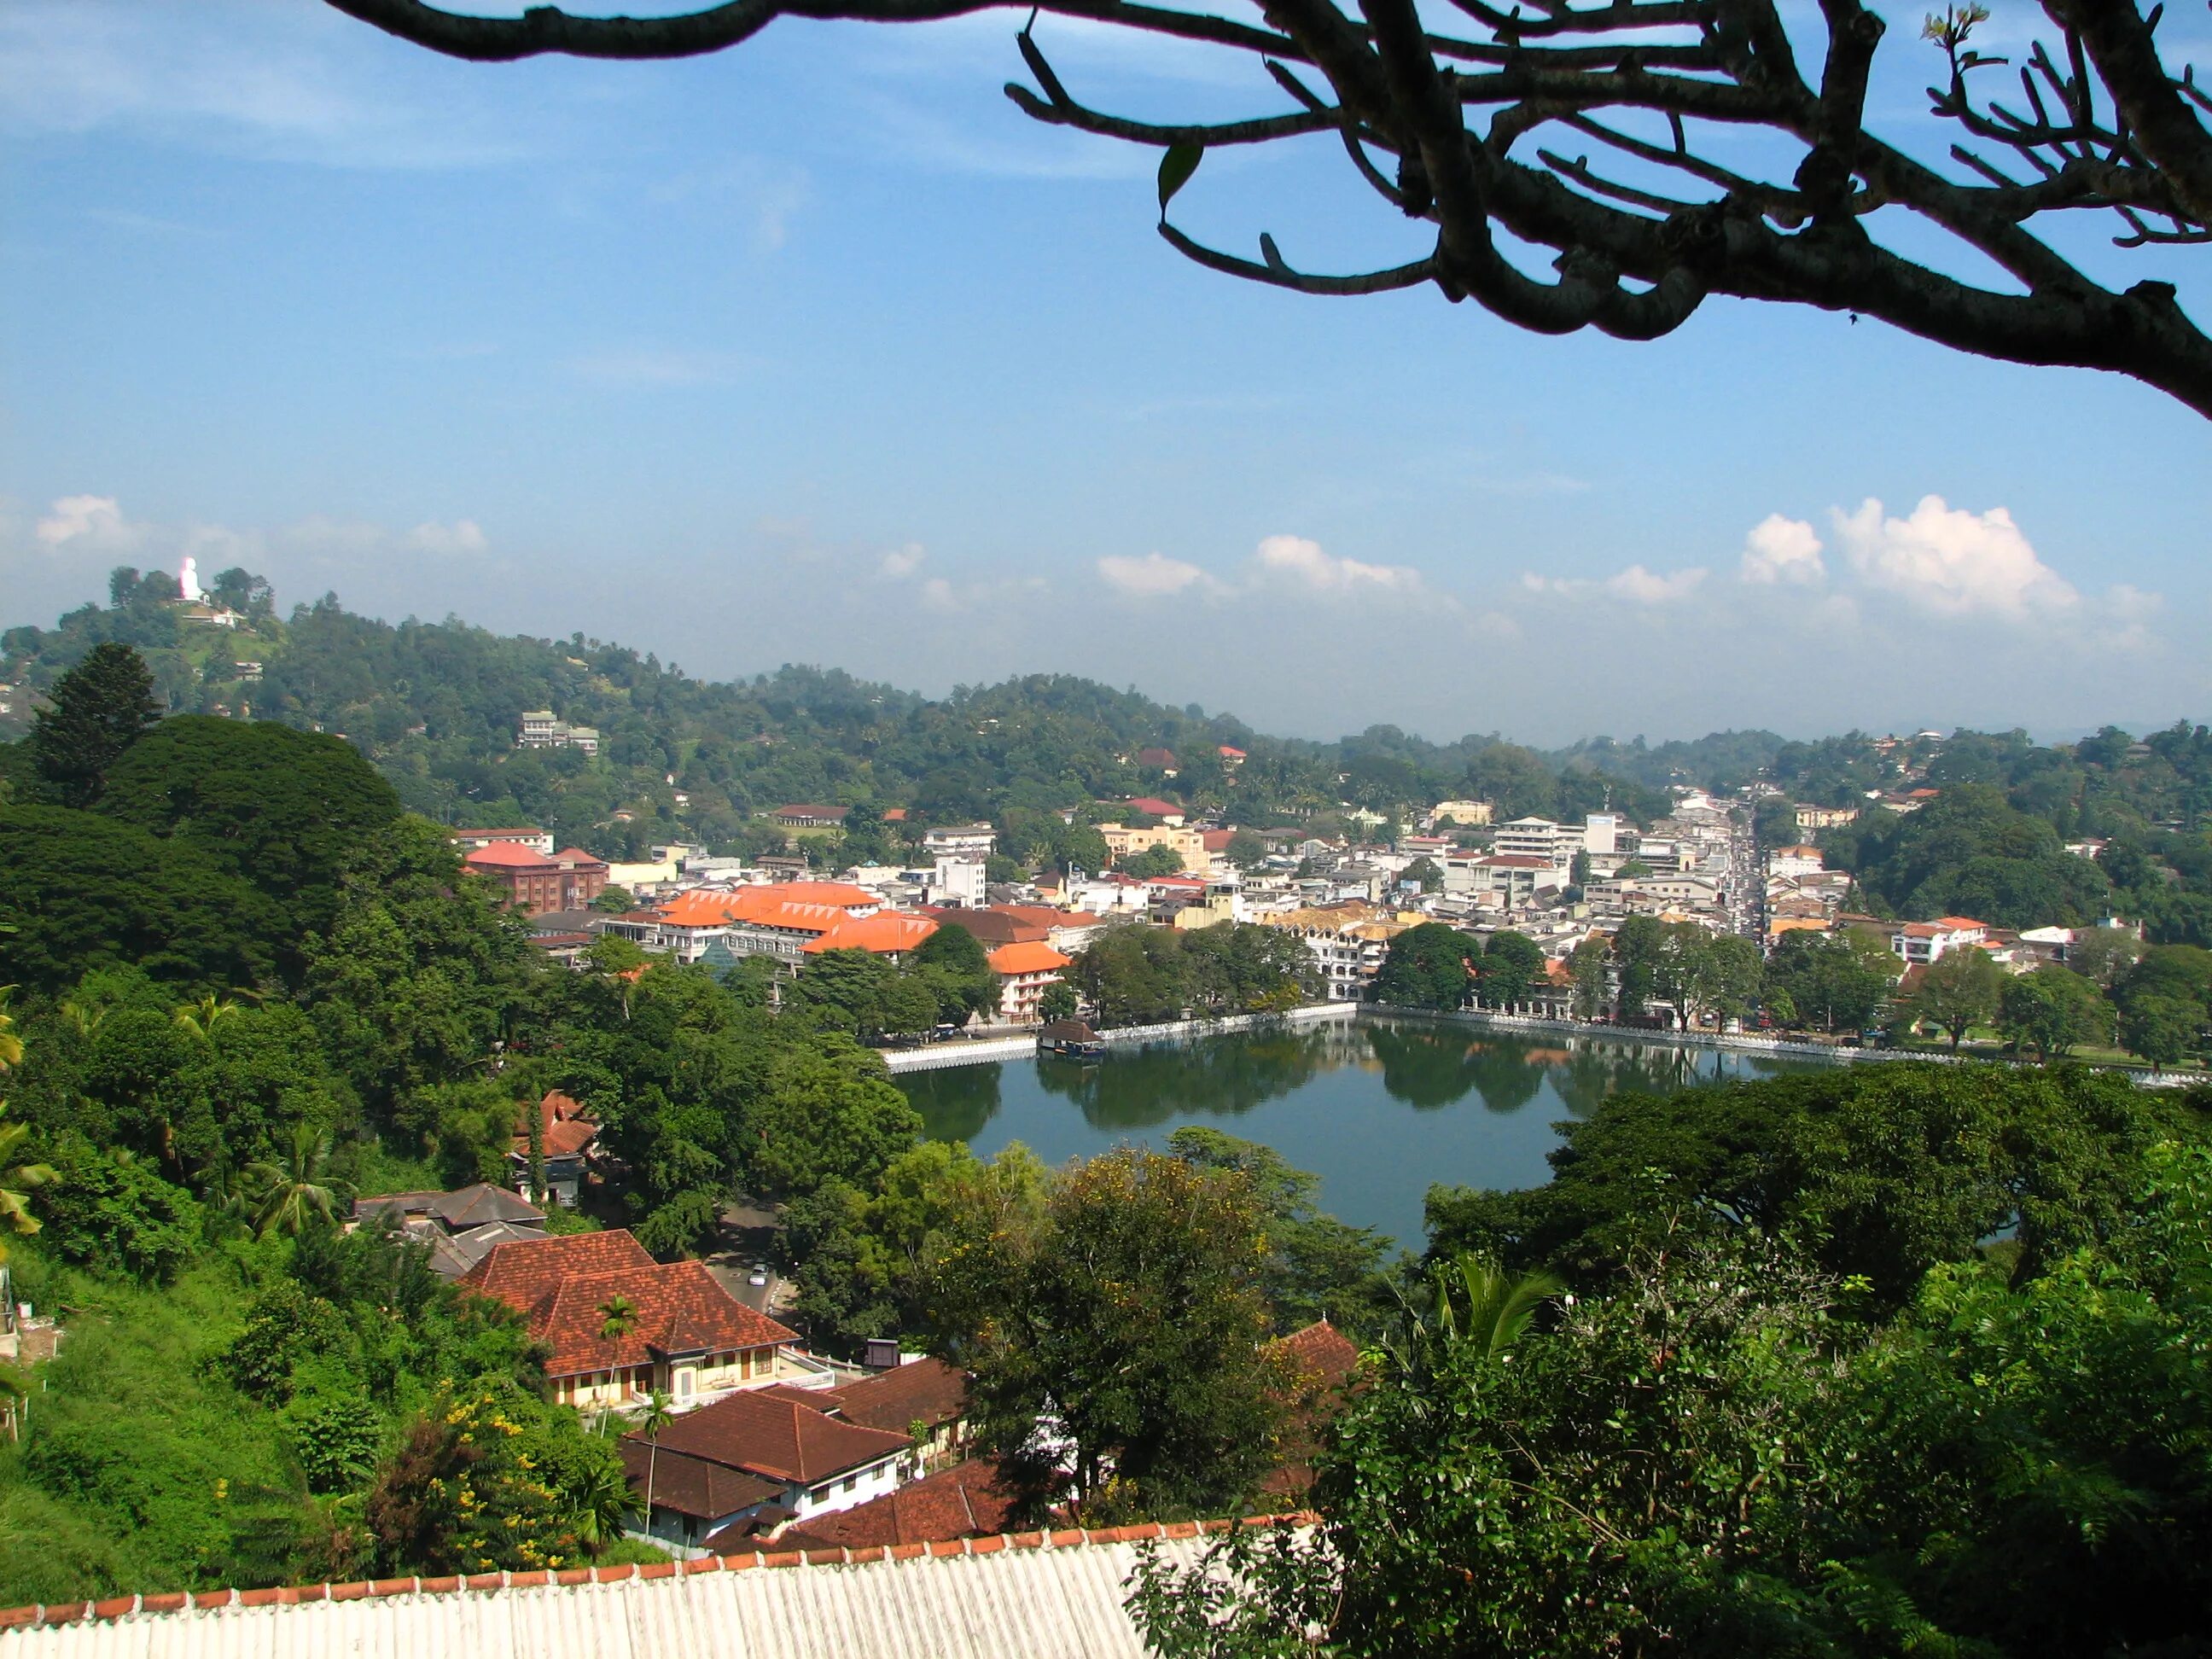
[538, 883]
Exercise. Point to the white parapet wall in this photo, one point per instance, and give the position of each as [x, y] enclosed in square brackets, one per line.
[973, 1052]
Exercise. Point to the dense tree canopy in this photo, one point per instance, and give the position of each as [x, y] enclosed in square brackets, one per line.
[1879, 1172]
[283, 810]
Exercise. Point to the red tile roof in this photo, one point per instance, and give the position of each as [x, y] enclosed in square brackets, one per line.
[779, 1439]
[505, 855]
[885, 933]
[1320, 1352]
[1155, 807]
[1027, 958]
[526, 1273]
[1321, 1362]
[965, 1501]
[693, 1486]
[561, 1284]
[681, 1308]
[1216, 841]
[922, 1391]
[567, 1130]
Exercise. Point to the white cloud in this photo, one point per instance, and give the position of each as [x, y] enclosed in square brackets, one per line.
[1780, 550]
[462, 536]
[1641, 586]
[901, 562]
[1951, 562]
[97, 521]
[1298, 560]
[1155, 576]
[1634, 585]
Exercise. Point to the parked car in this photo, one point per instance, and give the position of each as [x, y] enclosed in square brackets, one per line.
[759, 1275]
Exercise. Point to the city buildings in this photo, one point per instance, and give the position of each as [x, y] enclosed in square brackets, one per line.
[538, 883]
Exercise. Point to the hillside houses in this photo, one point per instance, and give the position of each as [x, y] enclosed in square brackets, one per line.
[686, 1337]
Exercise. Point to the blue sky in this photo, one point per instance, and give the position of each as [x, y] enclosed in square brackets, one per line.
[818, 350]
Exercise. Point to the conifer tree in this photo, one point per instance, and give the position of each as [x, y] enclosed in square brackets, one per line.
[98, 710]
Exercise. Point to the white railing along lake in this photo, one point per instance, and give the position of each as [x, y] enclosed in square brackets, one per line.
[971, 1051]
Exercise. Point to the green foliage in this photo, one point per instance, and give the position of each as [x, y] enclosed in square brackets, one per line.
[110, 1208]
[1959, 991]
[1128, 1301]
[1512, 964]
[1317, 1266]
[1133, 974]
[1152, 863]
[827, 1112]
[94, 714]
[471, 1488]
[281, 810]
[85, 893]
[1247, 850]
[1828, 980]
[2052, 1010]
[1971, 853]
[953, 964]
[1705, 1460]
[421, 971]
[1876, 1173]
[1426, 966]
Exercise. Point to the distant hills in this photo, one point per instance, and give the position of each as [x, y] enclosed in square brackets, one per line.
[437, 706]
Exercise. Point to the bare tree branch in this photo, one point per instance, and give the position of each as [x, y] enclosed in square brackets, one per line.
[2103, 123]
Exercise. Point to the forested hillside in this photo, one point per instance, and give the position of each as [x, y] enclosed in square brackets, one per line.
[436, 707]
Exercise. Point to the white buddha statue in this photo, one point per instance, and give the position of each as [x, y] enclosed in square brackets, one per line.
[188, 581]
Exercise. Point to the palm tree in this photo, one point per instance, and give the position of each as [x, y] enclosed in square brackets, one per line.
[286, 1197]
[201, 1018]
[1497, 1306]
[603, 1498]
[617, 1319]
[17, 1180]
[658, 1414]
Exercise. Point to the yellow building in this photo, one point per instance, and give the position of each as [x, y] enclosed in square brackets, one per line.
[1188, 845]
[1465, 813]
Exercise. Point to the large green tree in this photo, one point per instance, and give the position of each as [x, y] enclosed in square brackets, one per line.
[283, 810]
[1958, 992]
[93, 715]
[1426, 966]
[2052, 1011]
[1128, 1308]
[1876, 1171]
[1318, 1267]
[81, 892]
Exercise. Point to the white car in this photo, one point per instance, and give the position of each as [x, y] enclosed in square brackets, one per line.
[759, 1273]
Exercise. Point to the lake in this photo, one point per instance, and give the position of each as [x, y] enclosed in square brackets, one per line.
[1379, 1109]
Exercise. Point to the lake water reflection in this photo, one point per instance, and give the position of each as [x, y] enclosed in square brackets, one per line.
[1379, 1110]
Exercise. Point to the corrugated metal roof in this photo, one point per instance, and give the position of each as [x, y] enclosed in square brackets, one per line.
[1015, 1602]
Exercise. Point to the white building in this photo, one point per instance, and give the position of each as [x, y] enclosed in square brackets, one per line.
[1930, 941]
[540, 730]
[1602, 833]
[957, 881]
[960, 841]
[1536, 838]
